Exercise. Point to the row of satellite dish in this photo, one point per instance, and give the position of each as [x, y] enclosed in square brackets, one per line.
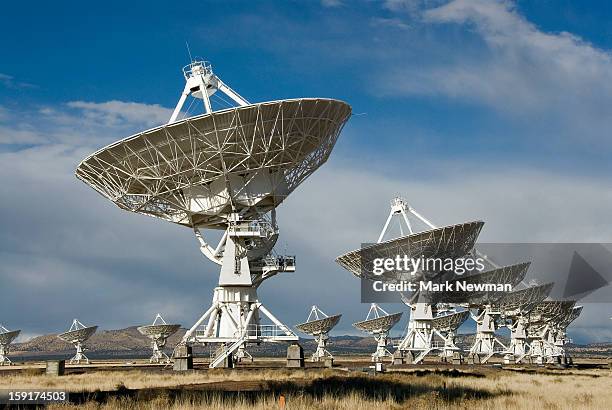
[159, 332]
[537, 326]
[229, 169]
[543, 317]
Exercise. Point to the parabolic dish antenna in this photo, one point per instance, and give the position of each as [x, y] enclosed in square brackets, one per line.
[77, 335]
[511, 274]
[159, 332]
[573, 315]
[445, 327]
[319, 325]
[548, 323]
[550, 311]
[198, 171]
[378, 323]
[6, 338]
[522, 301]
[452, 241]
[225, 170]
[450, 322]
[512, 307]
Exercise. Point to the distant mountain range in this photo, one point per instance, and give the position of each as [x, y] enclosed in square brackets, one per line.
[129, 343]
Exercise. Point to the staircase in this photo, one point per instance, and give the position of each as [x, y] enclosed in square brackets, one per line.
[223, 352]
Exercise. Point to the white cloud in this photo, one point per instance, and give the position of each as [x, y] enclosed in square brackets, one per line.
[557, 79]
[113, 113]
[79, 123]
[9, 81]
[413, 7]
[389, 22]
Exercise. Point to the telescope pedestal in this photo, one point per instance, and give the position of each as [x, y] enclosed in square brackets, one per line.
[486, 342]
[419, 339]
[381, 352]
[321, 354]
[158, 353]
[518, 349]
[234, 320]
[76, 359]
[4, 360]
[450, 349]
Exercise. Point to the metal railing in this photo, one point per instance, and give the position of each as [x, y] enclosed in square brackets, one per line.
[265, 228]
[264, 331]
[197, 67]
[279, 262]
[253, 331]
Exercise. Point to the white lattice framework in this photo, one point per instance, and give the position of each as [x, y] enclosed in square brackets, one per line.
[226, 154]
[453, 241]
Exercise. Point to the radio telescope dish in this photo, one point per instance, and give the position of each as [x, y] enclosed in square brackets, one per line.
[511, 274]
[445, 327]
[522, 301]
[319, 325]
[77, 335]
[573, 315]
[550, 311]
[450, 322]
[200, 170]
[6, 338]
[378, 323]
[223, 170]
[159, 332]
[548, 323]
[452, 241]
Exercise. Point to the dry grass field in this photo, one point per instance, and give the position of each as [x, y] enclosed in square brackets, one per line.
[469, 388]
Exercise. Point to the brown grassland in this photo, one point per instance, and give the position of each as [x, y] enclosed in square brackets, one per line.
[475, 388]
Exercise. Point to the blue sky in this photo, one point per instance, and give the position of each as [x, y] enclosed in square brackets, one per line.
[470, 109]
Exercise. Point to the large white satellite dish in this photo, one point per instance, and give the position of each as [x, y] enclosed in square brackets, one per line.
[224, 170]
[6, 338]
[378, 323]
[77, 335]
[159, 332]
[319, 324]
